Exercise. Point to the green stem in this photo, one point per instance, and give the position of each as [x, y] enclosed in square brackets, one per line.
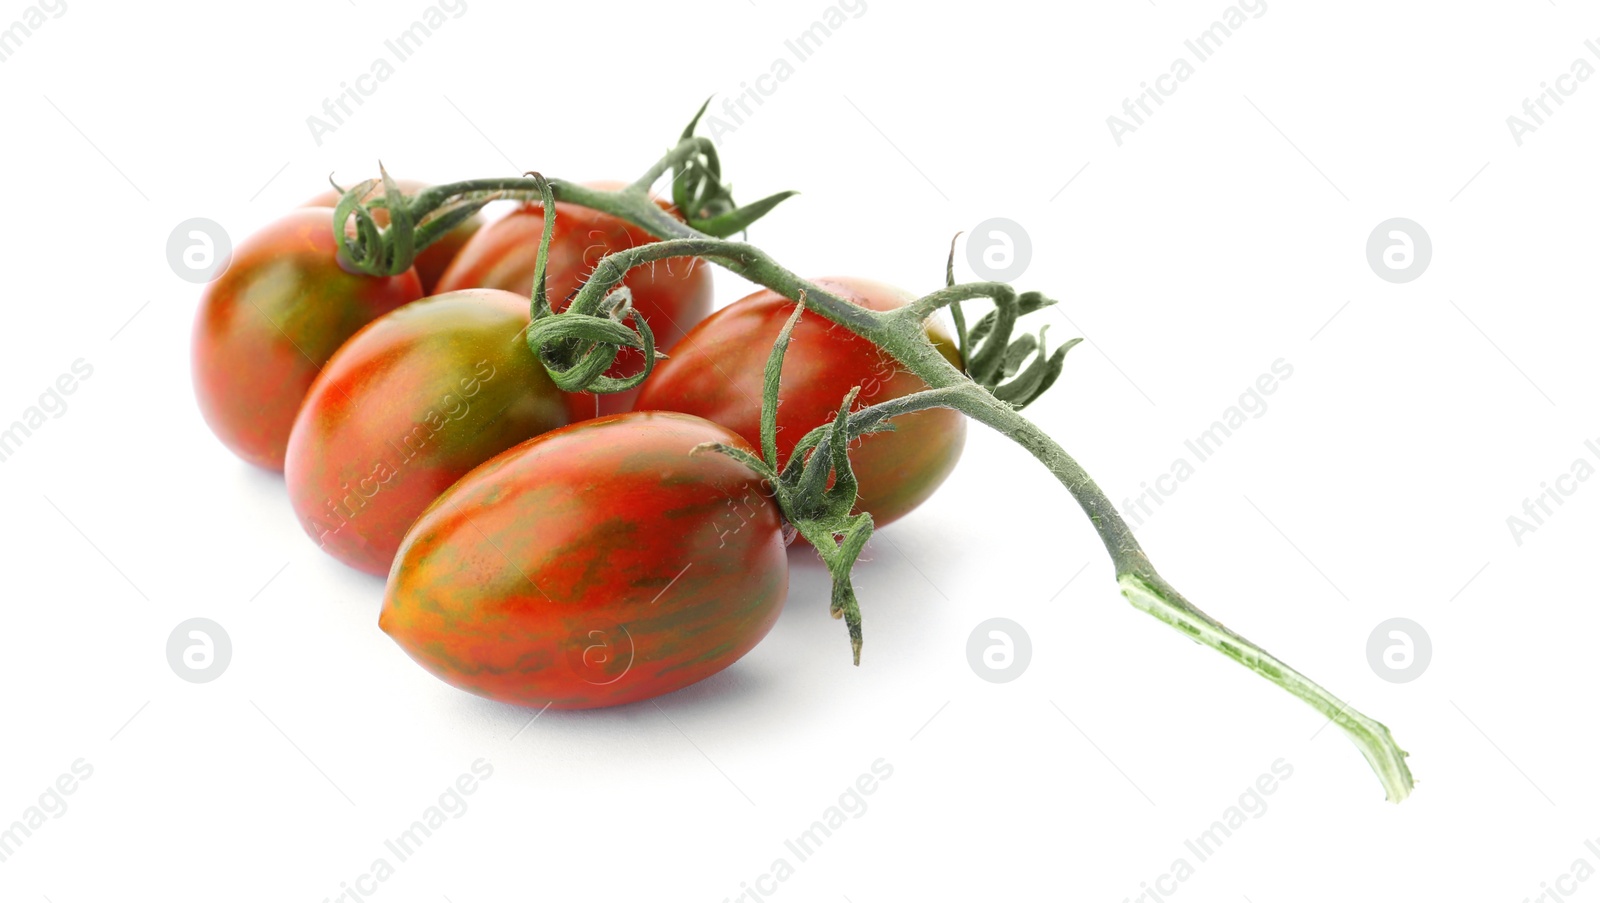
[1149, 592]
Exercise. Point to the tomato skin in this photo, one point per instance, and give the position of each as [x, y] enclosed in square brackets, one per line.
[717, 372]
[405, 408]
[433, 260]
[673, 295]
[268, 324]
[596, 565]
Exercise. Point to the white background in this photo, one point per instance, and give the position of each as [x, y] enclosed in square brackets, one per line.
[1226, 233]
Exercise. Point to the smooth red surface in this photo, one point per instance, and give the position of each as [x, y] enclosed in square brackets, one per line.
[404, 409]
[595, 565]
[673, 295]
[267, 325]
[717, 373]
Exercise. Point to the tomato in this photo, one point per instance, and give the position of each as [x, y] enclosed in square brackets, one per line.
[407, 406]
[717, 372]
[269, 323]
[595, 565]
[672, 295]
[435, 258]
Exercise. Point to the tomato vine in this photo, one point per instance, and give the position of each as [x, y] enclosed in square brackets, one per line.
[1001, 376]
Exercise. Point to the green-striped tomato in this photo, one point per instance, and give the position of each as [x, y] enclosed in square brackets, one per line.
[268, 324]
[716, 372]
[404, 409]
[595, 565]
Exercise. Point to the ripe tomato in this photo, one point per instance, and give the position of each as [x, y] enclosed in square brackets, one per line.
[411, 403]
[672, 295]
[435, 258]
[717, 373]
[269, 323]
[595, 565]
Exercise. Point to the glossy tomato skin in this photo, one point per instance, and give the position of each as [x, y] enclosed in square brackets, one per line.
[433, 260]
[717, 372]
[408, 406]
[673, 295]
[596, 565]
[269, 323]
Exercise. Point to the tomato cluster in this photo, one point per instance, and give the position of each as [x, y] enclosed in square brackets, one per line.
[542, 547]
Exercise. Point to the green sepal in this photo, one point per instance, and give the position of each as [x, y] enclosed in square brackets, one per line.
[1019, 351]
[1040, 375]
[368, 240]
[963, 342]
[540, 301]
[594, 341]
[771, 379]
[735, 221]
[737, 454]
[401, 226]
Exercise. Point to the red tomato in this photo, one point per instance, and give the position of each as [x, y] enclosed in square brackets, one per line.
[672, 295]
[409, 405]
[717, 373]
[269, 323]
[596, 565]
[435, 258]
